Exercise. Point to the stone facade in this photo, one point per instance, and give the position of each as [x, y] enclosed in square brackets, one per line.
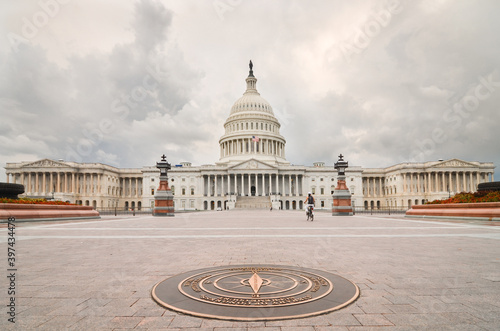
[252, 163]
[407, 184]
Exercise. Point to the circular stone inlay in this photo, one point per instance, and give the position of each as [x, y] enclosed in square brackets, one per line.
[255, 292]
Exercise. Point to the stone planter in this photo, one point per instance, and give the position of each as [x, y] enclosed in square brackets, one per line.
[482, 211]
[41, 212]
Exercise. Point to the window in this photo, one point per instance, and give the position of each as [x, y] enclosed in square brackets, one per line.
[152, 179]
[152, 191]
[321, 179]
[322, 204]
[313, 190]
[183, 191]
[192, 191]
[322, 191]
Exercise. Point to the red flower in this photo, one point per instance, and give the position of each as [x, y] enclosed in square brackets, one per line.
[34, 201]
[465, 197]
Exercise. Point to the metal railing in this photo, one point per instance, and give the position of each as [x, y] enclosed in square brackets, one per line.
[380, 210]
[122, 211]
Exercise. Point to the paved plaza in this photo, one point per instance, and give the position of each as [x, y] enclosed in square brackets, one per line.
[98, 274]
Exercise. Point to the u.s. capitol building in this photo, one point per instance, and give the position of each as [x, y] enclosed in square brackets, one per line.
[252, 172]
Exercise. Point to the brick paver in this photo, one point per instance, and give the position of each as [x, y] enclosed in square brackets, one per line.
[98, 275]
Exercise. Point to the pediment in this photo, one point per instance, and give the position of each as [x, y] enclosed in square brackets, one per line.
[45, 163]
[454, 163]
[252, 164]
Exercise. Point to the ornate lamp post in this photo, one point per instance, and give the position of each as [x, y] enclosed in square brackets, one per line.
[164, 199]
[341, 196]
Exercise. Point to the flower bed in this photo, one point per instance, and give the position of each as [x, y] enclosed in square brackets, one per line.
[34, 201]
[476, 197]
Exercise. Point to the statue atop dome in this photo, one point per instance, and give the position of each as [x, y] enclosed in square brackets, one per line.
[251, 69]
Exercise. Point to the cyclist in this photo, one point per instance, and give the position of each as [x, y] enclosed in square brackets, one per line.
[309, 203]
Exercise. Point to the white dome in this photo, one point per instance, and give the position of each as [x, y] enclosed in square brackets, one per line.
[251, 102]
[252, 130]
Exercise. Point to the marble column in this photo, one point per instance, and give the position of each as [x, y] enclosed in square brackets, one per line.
[404, 182]
[277, 183]
[464, 182]
[36, 183]
[44, 183]
[58, 182]
[216, 185]
[283, 185]
[257, 186]
[436, 182]
[419, 189]
[223, 190]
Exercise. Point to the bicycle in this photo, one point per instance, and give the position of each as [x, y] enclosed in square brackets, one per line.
[309, 213]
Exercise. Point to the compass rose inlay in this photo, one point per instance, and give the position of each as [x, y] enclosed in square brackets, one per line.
[251, 292]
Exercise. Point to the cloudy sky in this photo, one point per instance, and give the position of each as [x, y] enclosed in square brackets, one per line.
[122, 82]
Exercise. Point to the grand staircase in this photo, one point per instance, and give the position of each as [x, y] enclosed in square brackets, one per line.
[253, 203]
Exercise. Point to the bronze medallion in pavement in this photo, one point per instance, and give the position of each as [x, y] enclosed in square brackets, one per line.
[255, 292]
